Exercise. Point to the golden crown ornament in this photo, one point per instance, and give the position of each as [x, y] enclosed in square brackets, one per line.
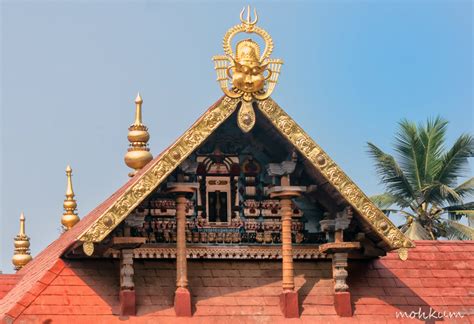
[253, 76]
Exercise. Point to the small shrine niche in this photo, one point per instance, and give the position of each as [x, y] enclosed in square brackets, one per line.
[218, 176]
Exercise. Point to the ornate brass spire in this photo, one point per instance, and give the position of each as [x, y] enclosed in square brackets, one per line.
[21, 254]
[138, 154]
[69, 218]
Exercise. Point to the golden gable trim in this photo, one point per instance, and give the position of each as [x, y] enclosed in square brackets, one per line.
[332, 172]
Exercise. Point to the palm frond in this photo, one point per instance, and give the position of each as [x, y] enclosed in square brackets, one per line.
[456, 212]
[470, 220]
[402, 212]
[384, 200]
[410, 153]
[454, 163]
[437, 193]
[459, 231]
[432, 137]
[391, 174]
[465, 188]
[449, 193]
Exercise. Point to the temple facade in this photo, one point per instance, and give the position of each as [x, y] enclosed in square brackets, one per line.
[243, 218]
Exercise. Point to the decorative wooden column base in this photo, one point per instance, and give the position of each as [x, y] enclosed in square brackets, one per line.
[340, 252]
[289, 304]
[127, 303]
[127, 286]
[182, 302]
[342, 304]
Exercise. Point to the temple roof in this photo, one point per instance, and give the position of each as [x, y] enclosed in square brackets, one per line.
[438, 276]
[94, 227]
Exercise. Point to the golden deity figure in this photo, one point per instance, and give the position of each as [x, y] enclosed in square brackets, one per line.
[253, 76]
[21, 254]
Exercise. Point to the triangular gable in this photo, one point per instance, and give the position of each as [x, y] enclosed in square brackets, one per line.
[94, 227]
[162, 166]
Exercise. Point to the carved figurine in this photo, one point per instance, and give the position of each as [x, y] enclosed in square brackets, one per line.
[267, 236]
[173, 236]
[299, 238]
[195, 237]
[276, 237]
[211, 237]
[220, 237]
[166, 235]
[253, 76]
[189, 237]
[343, 218]
[236, 237]
[259, 235]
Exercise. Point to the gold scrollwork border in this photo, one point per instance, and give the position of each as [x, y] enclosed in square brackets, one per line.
[331, 171]
[162, 167]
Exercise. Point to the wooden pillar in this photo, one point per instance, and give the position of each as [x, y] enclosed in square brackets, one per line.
[289, 297]
[182, 296]
[181, 262]
[127, 285]
[342, 296]
[286, 245]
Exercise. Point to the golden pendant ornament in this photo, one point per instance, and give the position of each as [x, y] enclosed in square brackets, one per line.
[403, 254]
[246, 117]
[88, 248]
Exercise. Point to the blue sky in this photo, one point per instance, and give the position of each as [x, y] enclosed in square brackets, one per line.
[70, 71]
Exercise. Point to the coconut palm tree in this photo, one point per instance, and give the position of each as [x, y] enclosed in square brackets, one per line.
[421, 181]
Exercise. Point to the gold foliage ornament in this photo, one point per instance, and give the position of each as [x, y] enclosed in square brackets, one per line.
[88, 248]
[253, 76]
[403, 254]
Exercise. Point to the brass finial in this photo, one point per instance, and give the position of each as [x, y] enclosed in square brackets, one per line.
[69, 218]
[138, 110]
[138, 154]
[248, 21]
[21, 254]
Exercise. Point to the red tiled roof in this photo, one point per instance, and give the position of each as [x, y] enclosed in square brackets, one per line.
[7, 282]
[437, 275]
[42, 266]
[49, 288]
